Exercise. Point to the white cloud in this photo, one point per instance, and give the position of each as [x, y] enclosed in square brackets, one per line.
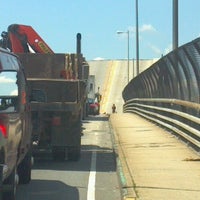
[98, 58]
[147, 28]
[143, 28]
[168, 49]
[155, 49]
[131, 29]
[3, 79]
[158, 51]
[14, 92]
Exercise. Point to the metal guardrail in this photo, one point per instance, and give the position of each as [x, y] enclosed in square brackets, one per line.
[168, 92]
[171, 114]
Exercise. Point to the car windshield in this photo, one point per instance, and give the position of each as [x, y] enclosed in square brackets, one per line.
[90, 100]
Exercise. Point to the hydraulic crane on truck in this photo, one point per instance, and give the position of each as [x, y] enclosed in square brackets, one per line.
[23, 39]
[19, 38]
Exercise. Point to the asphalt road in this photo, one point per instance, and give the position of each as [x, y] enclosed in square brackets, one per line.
[93, 177]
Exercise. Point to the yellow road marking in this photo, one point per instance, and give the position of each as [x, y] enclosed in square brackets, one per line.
[108, 85]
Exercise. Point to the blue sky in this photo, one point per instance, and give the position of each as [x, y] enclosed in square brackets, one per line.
[58, 22]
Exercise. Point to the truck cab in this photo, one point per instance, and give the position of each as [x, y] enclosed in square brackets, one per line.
[15, 126]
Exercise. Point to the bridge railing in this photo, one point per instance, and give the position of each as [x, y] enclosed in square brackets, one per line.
[181, 117]
[168, 92]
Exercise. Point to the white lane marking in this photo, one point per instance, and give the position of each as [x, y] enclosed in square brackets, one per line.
[92, 178]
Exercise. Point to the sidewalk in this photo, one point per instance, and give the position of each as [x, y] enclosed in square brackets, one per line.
[155, 164]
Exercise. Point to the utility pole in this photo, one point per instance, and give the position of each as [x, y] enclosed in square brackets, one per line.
[175, 24]
[137, 39]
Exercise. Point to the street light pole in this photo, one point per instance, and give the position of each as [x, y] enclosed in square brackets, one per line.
[127, 32]
[128, 54]
[137, 39]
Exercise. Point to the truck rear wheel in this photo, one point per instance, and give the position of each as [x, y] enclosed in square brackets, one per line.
[10, 186]
[74, 153]
[1, 181]
[58, 155]
[24, 169]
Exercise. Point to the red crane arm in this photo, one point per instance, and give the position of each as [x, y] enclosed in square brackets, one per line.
[21, 36]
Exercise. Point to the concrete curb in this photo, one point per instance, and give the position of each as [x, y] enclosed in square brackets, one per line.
[126, 181]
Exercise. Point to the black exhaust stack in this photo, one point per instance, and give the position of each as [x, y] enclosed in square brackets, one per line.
[78, 43]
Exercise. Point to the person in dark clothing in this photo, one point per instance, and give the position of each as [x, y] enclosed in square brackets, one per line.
[113, 108]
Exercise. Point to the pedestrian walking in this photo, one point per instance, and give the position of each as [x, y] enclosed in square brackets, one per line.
[113, 108]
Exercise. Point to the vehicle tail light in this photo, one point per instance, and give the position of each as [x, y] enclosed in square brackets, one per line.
[56, 121]
[3, 131]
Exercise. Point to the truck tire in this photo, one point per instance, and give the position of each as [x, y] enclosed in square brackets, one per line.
[10, 186]
[24, 169]
[1, 182]
[74, 153]
[58, 155]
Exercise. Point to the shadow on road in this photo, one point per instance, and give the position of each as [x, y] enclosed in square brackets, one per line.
[96, 118]
[106, 161]
[46, 189]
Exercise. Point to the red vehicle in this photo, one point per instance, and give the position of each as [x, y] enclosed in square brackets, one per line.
[94, 107]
